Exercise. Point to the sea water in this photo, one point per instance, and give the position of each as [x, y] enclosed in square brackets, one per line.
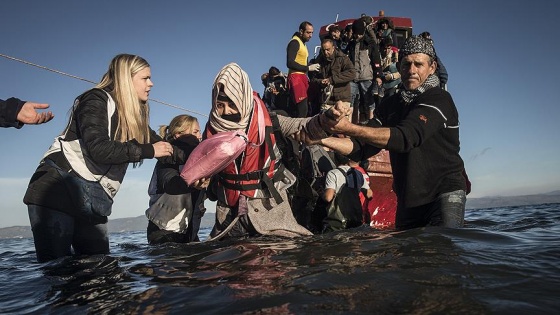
[505, 261]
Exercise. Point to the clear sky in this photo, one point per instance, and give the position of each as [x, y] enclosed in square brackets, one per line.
[500, 59]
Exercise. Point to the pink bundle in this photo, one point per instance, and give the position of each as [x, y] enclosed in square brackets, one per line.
[213, 154]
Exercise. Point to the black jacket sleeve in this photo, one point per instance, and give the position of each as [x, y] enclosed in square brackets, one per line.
[91, 126]
[9, 110]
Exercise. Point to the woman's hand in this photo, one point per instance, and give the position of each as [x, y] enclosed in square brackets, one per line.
[162, 149]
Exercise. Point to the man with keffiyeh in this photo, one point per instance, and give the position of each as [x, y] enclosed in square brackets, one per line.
[251, 191]
[420, 128]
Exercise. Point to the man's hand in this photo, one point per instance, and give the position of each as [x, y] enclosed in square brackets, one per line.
[337, 112]
[314, 67]
[340, 127]
[28, 114]
[302, 136]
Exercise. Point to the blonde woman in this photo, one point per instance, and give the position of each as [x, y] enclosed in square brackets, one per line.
[71, 193]
[175, 209]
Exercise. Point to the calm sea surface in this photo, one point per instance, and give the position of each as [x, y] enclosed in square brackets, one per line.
[505, 261]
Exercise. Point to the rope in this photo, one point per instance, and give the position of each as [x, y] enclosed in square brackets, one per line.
[92, 82]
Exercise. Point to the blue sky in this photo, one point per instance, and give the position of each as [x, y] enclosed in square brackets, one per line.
[500, 59]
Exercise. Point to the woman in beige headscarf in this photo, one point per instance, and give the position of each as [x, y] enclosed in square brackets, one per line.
[251, 191]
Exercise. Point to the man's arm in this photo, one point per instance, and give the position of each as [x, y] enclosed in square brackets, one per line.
[330, 186]
[376, 136]
[328, 195]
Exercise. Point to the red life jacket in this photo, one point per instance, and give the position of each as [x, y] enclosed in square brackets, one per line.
[254, 172]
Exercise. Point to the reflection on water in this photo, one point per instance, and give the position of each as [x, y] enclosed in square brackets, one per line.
[503, 262]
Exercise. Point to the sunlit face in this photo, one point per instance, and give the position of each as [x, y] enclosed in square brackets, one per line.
[328, 49]
[185, 134]
[307, 33]
[414, 69]
[142, 82]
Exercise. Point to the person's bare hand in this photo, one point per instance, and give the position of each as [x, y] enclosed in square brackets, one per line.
[201, 183]
[29, 115]
[340, 127]
[302, 136]
[343, 108]
[162, 149]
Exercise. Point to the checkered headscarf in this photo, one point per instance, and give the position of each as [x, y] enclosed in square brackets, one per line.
[417, 45]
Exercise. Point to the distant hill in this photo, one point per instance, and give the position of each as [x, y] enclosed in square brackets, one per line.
[115, 226]
[140, 223]
[508, 201]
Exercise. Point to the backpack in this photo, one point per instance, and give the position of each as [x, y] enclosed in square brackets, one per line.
[315, 164]
[310, 168]
[345, 210]
[289, 149]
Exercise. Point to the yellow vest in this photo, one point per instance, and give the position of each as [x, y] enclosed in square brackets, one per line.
[301, 56]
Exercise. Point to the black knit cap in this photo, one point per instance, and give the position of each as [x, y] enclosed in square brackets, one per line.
[358, 27]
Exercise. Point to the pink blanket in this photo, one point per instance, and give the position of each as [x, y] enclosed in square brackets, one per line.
[213, 154]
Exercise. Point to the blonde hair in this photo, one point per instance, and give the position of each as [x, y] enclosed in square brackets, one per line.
[133, 114]
[178, 124]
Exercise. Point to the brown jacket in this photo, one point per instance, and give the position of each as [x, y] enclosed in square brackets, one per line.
[340, 71]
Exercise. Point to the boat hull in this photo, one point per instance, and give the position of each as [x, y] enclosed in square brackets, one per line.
[382, 207]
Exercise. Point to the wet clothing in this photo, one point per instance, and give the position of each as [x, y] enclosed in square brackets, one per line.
[251, 190]
[179, 224]
[51, 186]
[423, 145]
[261, 204]
[9, 110]
[56, 233]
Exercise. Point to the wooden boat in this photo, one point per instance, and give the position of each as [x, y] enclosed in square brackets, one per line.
[383, 205]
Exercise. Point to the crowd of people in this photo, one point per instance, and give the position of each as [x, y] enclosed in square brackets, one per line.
[360, 95]
[357, 64]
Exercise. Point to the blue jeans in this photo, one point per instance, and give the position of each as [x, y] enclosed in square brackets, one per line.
[448, 210]
[362, 90]
[56, 233]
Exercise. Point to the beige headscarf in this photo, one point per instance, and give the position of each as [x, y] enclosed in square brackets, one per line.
[234, 82]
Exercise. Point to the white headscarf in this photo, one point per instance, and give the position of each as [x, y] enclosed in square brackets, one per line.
[234, 82]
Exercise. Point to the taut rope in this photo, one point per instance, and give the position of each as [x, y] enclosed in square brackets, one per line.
[92, 82]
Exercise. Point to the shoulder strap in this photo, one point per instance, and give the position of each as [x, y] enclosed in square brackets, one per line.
[345, 174]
